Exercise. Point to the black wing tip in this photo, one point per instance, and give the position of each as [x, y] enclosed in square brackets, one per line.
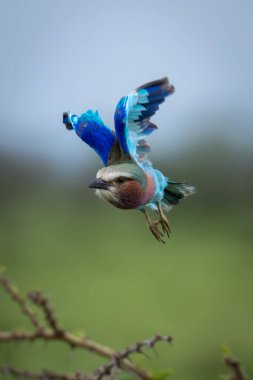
[166, 84]
[171, 88]
[66, 121]
[163, 82]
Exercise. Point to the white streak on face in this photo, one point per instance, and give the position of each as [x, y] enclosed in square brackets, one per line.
[111, 175]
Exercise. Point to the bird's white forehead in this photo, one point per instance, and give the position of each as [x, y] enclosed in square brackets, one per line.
[110, 175]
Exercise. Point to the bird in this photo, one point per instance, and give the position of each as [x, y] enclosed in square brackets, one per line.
[128, 179]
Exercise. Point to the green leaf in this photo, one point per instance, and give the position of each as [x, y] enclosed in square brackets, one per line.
[163, 375]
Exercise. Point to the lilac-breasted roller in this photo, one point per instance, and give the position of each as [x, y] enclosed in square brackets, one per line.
[128, 179]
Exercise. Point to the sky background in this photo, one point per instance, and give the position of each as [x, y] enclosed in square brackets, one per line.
[78, 55]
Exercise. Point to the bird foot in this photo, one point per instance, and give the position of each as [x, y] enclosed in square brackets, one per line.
[165, 225]
[155, 231]
[154, 225]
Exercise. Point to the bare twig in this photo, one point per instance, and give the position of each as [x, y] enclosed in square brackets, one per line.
[117, 360]
[15, 295]
[55, 332]
[43, 375]
[235, 366]
[41, 301]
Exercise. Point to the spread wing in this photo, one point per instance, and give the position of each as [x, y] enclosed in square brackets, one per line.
[91, 129]
[132, 117]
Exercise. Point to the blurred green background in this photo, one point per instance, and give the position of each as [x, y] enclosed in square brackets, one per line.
[101, 268]
[107, 276]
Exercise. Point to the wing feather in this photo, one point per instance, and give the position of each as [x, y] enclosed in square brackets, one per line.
[91, 129]
[132, 117]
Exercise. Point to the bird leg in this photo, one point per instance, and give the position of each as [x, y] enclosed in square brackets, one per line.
[163, 221]
[153, 227]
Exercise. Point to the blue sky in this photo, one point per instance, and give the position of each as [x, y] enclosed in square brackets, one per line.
[59, 55]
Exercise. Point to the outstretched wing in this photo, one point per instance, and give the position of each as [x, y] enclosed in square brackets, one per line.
[91, 129]
[132, 117]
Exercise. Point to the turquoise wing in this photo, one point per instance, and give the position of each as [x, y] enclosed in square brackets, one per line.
[132, 117]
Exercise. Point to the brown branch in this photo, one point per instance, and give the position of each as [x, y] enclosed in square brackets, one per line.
[117, 360]
[41, 301]
[56, 333]
[13, 292]
[44, 375]
[74, 342]
[235, 366]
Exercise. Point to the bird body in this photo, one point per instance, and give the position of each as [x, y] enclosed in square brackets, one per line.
[128, 179]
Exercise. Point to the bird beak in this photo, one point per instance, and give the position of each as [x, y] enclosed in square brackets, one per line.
[99, 183]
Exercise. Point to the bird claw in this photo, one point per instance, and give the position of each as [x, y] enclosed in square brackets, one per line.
[165, 225]
[154, 225]
[155, 231]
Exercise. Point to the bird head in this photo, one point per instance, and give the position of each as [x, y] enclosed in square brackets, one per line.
[123, 185]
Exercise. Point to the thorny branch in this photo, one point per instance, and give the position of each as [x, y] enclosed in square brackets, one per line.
[41, 301]
[53, 331]
[235, 366]
[43, 375]
[13, 292]
[113, 365]
[117, 359]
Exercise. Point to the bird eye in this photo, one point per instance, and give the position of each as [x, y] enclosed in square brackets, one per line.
[121, 179]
